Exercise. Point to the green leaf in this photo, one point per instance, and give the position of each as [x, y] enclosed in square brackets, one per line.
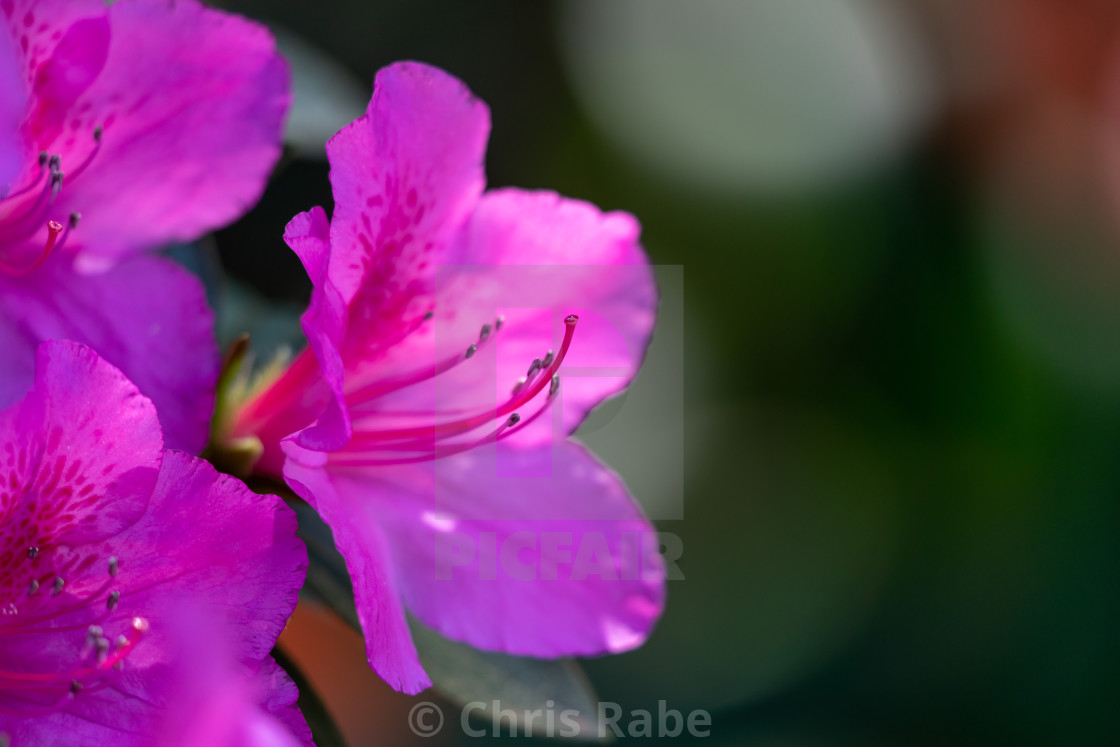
[517, 684]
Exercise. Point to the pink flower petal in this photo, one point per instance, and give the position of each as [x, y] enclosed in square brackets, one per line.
[77, 60]
[533, 257]
[404, 177]
[13, 104]
[80, 438]
[220, 703]
[147, 316]
[36, 27]
[365, 547]
[279, 702]
[191, 101]
[104, 539]
[324, 323]
[242, 551]
[550, 566]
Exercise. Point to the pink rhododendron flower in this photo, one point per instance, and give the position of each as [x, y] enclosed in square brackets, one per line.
[123, 128]
[104, 534]
[452, 334]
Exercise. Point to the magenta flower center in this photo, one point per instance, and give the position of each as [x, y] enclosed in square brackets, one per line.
[24, 212]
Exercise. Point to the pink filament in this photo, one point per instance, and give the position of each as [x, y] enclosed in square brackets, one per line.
[463, 425]
[53, 229]
[138, 628]
[354, 458]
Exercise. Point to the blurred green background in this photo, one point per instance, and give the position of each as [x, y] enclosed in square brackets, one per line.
[892, 313]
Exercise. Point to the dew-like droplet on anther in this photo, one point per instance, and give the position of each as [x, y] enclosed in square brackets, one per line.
[32, 553]
[533, 368]
[471, 350]
[548, 358]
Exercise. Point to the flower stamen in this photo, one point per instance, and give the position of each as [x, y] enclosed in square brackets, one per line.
[520, 396]
[53, 230]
